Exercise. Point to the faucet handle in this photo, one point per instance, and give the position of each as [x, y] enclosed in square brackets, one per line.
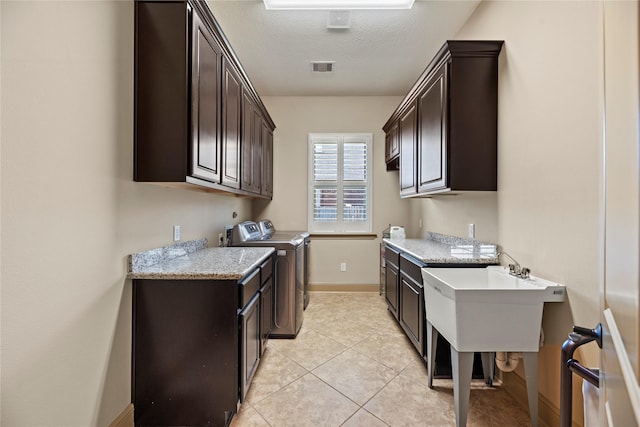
[514, 269]
[524, 273]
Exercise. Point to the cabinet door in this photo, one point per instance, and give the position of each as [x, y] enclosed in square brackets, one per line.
[231, 100]
[412, 311]
[391, 284]
[206, 60]
[184, 332]
[257, 151]
[266, 313]
[267, 161]
[250, 159]
[432, 134]
[407, 134]
[392, 148]
[412, 314]
[250, 342]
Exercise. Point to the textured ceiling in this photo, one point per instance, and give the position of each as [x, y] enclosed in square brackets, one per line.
[383, 52]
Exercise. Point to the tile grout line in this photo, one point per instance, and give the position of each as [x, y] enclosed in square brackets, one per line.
[352, 347]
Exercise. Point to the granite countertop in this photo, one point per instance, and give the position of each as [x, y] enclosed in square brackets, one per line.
[438, 248]
[194, 260]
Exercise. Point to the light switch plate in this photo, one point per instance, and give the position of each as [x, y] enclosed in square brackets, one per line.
[176, 233]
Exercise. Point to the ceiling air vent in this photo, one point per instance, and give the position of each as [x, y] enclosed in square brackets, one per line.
[322, 66]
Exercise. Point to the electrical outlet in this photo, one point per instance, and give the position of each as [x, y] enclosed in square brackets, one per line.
[419, 222]
[343, 266]
[176, 233]
[472, 231]
[228, 231]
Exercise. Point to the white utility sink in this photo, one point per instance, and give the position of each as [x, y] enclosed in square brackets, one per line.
[485, 310]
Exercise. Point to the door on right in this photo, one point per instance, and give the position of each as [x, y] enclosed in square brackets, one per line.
[620, 289]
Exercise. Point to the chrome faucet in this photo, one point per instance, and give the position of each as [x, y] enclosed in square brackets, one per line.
[515, 269]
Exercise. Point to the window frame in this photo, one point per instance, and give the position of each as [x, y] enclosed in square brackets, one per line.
[340, 226]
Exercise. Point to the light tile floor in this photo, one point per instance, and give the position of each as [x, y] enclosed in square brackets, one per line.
[351, 365]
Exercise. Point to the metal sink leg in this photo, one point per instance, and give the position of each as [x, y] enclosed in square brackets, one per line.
[530, 360]
[461, 370]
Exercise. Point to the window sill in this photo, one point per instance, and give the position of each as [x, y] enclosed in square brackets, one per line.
[344, 236]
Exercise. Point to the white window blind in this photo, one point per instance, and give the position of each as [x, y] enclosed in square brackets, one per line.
[339, 183]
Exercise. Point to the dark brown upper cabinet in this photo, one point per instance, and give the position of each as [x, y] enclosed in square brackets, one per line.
[231, 105]
[190, 93]
[408, 149]
[456, 122]
[392, 148]
[251, 145]
[432, 134]
[267, 161]
[206, 58]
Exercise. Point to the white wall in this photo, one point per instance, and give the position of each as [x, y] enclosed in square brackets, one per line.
[71, 212]
[451, 214]
[295, 118]
[546, 210]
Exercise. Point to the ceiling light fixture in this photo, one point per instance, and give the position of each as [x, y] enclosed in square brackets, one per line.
[338, 4]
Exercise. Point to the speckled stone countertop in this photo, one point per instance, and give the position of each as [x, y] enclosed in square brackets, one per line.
[438, 248]
[194, 260]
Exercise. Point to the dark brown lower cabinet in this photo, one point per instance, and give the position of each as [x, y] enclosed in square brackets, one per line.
[185, 352]
[196, 346]
[412, 316]
[266, 313]
[405, 300]
[251, 340]
[392, 275]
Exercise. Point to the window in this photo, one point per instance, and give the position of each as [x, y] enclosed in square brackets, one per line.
[340, 183]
